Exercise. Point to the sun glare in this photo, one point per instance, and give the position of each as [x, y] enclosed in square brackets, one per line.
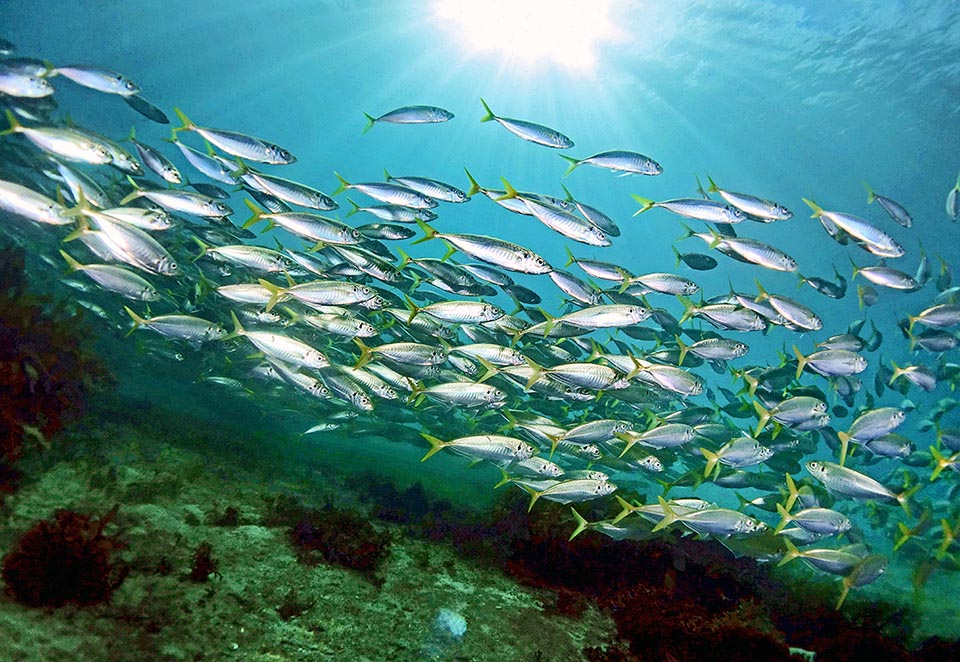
[531, 32]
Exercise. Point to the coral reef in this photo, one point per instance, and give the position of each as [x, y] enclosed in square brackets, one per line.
[65, 560]
[45, 368]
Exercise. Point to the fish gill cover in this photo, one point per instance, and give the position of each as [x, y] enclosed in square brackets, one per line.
[751, 339]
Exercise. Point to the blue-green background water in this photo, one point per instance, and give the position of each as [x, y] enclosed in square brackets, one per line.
[770, 98]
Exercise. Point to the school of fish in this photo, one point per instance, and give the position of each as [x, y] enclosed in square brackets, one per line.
[790, 456]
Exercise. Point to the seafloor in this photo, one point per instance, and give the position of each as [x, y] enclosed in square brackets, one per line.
[182, 481]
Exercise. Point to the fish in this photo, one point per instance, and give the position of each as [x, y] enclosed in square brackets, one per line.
[703, 210]
[875, 240]
[894, 209]
[953, 201]
[410, 115]
[757, 208]
[630, 163]
[97, 78]
[249, 148]
[180, 327]
[529, 131]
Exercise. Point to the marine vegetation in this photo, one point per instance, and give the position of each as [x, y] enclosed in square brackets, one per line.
[331, 535]
[67, 559]
[45, 366]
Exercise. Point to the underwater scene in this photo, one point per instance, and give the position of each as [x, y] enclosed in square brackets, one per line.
[455, 330]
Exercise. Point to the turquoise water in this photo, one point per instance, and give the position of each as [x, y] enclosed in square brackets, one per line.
[781, 101]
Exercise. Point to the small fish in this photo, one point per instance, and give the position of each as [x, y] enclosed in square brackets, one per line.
[410, 115]
[145, 108]
[246, 147]
[535, 133]
[630, 163]
[893, 208]
[847, 482]
[875, 240]
[156, 161]
[572, 491]
[953, 201]
[430, 188]
[179, 327]
[69, 144]
[482, 447]
[389, 193]
[95, 78]
[703, 210]
[697, 261]
[115, 279]
[29, 204]
[757, 208]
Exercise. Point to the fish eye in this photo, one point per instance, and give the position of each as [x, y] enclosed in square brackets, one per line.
[130, 85]
[173, 266]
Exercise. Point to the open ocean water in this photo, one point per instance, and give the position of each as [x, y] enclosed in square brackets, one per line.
[779, 101]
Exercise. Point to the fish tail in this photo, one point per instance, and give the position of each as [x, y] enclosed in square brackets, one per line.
[582, 524]
[669, 517]
[573, 166]
[134, 194]
[897, 372]
[941, 463]
[414, 309]
[684, 348]
[905, 535]
[689, 308]
[489, 116]
[371, 120]
[801, 361]
[474, 186]
[185, 123]
[137, 320]
[570, 258]
[792, 493]
[645, 204]
[416, 392]
[428, 232]
[904, 498]
[344, 184]
[677, 253]
[366, 353]
[791, 553]
[505, 478]
[404, 259]
[570, 197]
[257, 214]
[15, 126]
[509, 192]
[355, 209]
[627, 508]
[844, 446]
[785, 515]
[436, 445]
[535, 376]
[713, 185]
[763, 295]
[817, 209]
[847, 584]
[949, 535]
[491, 370]
[72, 264]
[534, 495]
[275, 293]
[712, 460]
[630, 441]
[871, 196]
[237, 329]
[764, 416]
